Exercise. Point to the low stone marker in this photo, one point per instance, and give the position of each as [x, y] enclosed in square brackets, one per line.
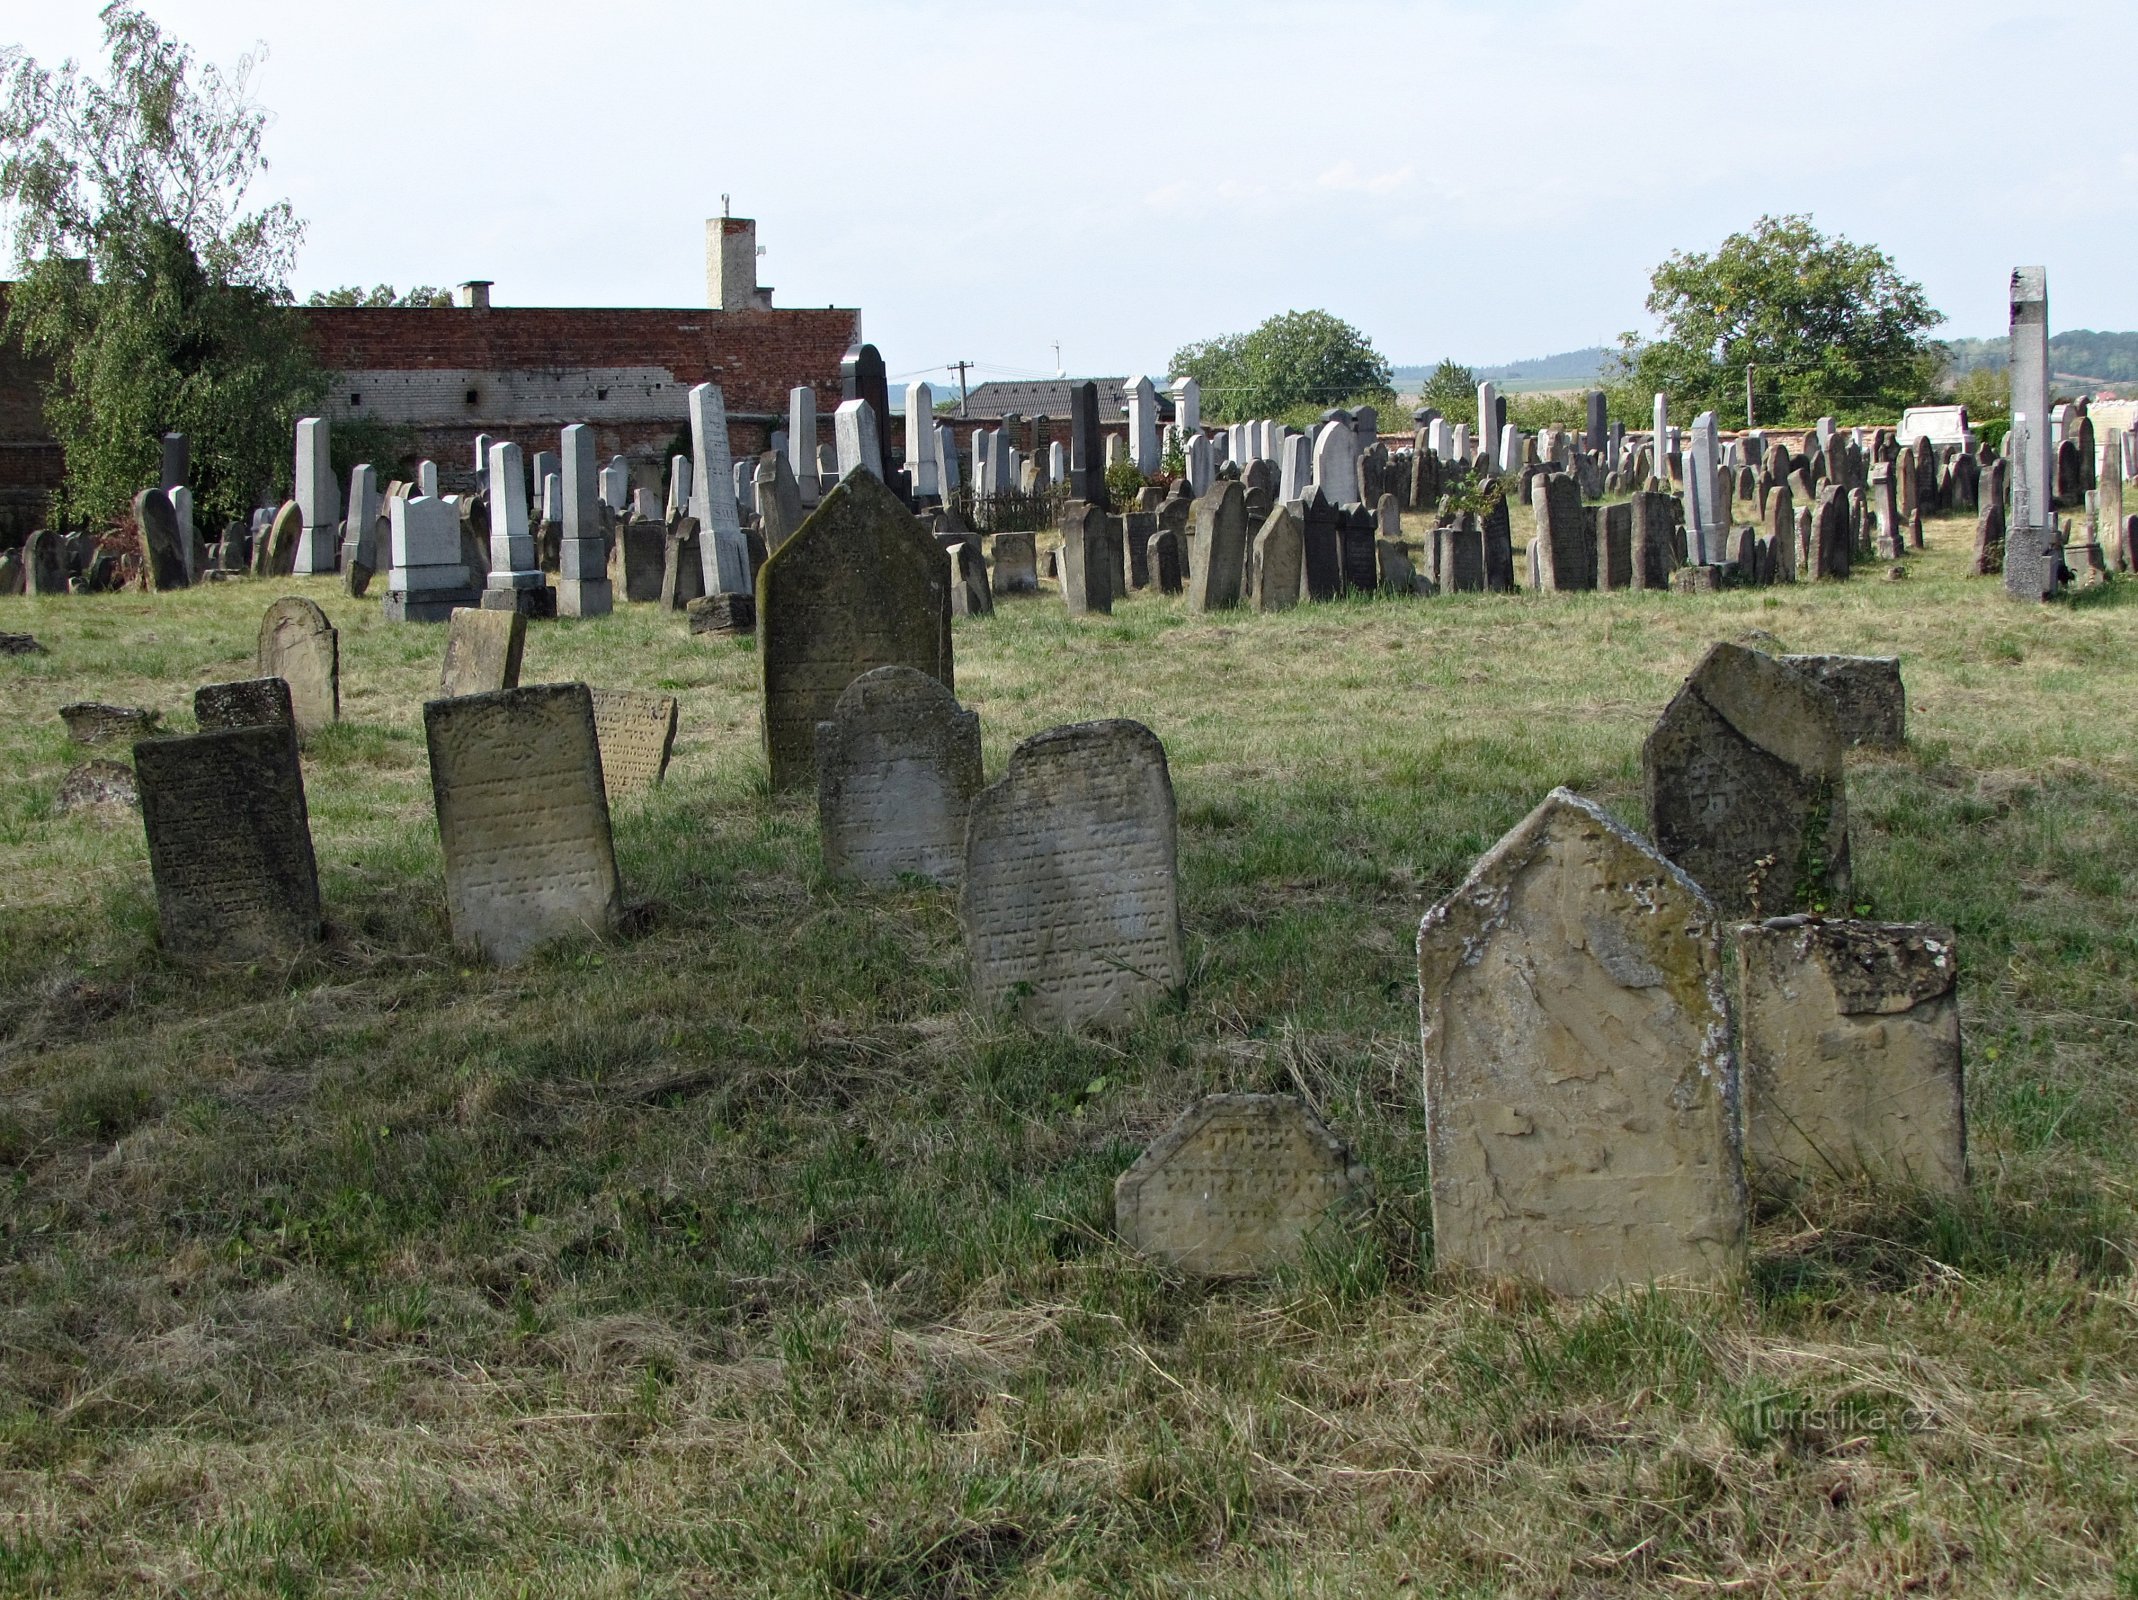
[637, 733]
[1239, 1184]
[1016, 564]
[299, 646]
[1868, 696]
[1071, 903]
[898, 763]
[1851, 1041]
[108, 787]
[522, 816]
[92, 722]
[1747, 788]
[229, 844]
[482, 651]
[247, 703]
[1580, 1092]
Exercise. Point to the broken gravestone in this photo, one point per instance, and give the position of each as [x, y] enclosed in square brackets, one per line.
[898, 763]
[247, 703]
[1850, 1033]
[482, 651]
[1580, 1093]
[92, 722]
[637, 733]
[1868, 696]
[105, 787]
[1071, 903]
[1746, 786]
[299, 646]
[1239, 1184]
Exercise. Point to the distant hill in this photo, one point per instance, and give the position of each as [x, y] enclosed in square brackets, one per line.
[2077, 352]
[1569, 369]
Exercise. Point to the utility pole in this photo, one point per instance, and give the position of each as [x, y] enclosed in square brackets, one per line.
[1748, 394]
[1057, 357]
[963, 394]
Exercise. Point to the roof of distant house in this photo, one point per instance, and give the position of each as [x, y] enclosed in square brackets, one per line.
[1049, 397]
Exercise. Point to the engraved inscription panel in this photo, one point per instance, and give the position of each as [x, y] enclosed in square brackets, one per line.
[248, 703]
[637, 733]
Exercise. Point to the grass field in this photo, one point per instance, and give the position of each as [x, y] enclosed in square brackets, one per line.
[740, 1257]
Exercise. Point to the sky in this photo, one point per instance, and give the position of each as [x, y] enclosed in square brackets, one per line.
[1485, 180]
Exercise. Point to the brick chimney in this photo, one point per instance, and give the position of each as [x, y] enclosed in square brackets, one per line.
[731, 266]
[474, 295]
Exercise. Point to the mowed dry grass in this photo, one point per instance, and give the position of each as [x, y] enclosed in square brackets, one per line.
[740, 1256]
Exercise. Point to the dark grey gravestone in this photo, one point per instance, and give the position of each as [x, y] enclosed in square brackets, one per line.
[247, 703]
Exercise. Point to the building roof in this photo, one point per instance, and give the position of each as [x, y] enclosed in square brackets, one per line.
[1049, 397]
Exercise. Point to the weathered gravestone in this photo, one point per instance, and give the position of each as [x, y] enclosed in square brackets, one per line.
[44, 563]
[636, 733]
[1746, 786]
[1868, 696]
[105, 788]
[229, 844]
[1278, 556]
[1164, 553]
[522, 817]
[1087, 582]
[247, 703]
[92, 722]
[1566, 543]
[640, 550]
[276, 555]
[1071, 902]
[482, 651]
[898, 763]
[1580, 1093]
[861, 584]
[1217, 550]
[1239, 1184]
[1850, 1033]
[1016, 564]
[299, 646]
[163, 555]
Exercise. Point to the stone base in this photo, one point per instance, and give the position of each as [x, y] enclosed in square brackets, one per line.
[537, 605]
[584, 597]
[426, 605]
[729, 614]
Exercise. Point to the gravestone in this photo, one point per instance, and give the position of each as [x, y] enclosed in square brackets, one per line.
[861, 584]
[1087, 581]
[1240, 1183]
[44, 564]
[636, 732]
[643, 551]
[1868, 696]
[682, 574]
[1396, 574]
[523, 819]
[1746, 785]
[898, 764]
[229, 845]
[583, 585]
[482, 651]
[1458, 563]
[1277, 561]
[276, 555]
[2030, 562]
[1164, 551]
[1071, 901]
[854, 427]
[1580, 1091]
[1566, 545]
[429, 575]
[1850, 1033]
[247, 703]
[1217, 552]
[103, 787]
[91, 722]
[360, 540]
[298, 645]
[318, 499]
[1016, 566]
[163, 555]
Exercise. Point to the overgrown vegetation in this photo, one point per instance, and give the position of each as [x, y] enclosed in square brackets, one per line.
[1291, 368]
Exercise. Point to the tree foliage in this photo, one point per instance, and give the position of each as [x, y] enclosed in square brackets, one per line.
[380, 295]
[1299, 361]
[1829, 327]
[160, 299]
[1452, 388]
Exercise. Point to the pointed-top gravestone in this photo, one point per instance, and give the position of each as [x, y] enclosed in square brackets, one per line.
[860, 448]
[1746, 785]
[299, 645]
[1277, 560]
[163, 559]
[860, 585]
[1218, 552]
[898, 763]
[1580, 1090]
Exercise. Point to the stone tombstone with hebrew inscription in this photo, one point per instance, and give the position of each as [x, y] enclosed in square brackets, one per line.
[1580, 1091]
[482, 651]
[1071, 904]
[1239, 1184]
[247, 703]
[229, 844]
[637, 734]
[299, 646]
[898, 763]
[860, 585]
[522, 817]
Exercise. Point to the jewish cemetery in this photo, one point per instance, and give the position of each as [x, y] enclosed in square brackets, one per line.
[655, 944]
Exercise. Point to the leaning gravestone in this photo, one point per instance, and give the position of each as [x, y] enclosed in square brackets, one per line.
[229, 844]
[1071, 903]
[897, 766]
[522, 817]
[163, 552]
[1851, 1041]
[1239, 1184]
[247, 703]
[1580, 1093]
[482, 651]
[1868, 696]
[637, 733]
[860, 585]
[1746, 785]
[299, 646]
[276, 556]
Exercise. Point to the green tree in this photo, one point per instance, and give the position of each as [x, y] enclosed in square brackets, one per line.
[162, 302]
[1453, 389]
[380, 296]
[1828, 325]
[1302, 361]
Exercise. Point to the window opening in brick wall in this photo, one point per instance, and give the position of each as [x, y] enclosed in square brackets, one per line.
[473, 396]
[356, 399]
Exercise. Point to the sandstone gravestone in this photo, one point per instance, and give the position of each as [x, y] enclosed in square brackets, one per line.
[1580, 1093]
[1277, 559]
[482, 651]
[1217, 550]
[1016, 564]
[1869, 697]
[1086, 578]
[898, 763]
[637, 733]
[1851, 1040]
[1071, 903]
[1746, 785]
[229, 844]
[522, 817]
[860, 585]
[299, 646]
[1239, 1184]
[247, 703]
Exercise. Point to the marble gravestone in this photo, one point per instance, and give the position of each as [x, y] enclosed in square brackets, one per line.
[1746, 785]
[482, 651]
[298, 645]
[637, 734]
[1239, 1184]
[861, 584]
[523, 818]
[898, 763]
[1580, 1091]
[229, 844]
[1071, 902]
